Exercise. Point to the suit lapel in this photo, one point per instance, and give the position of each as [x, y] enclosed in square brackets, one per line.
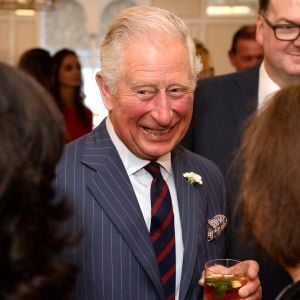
[244, 102]
[113, 191]
[189, 201]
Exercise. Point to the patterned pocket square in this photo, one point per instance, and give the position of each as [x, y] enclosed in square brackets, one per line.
[215, 226]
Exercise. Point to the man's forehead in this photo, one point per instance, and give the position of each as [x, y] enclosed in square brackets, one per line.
[284, 8]
[151, 58]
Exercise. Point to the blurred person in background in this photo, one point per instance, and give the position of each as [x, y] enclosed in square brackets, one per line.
[224, 103]
[245, 51]
[205, 57]
[270, 183]
[67, 91]
[32, 139]
[38, 63]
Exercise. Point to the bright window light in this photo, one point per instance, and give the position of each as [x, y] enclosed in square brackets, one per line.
[227, 10]
[25, 12]
[93, 98]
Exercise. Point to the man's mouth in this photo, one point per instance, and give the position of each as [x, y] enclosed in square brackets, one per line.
[157, 132]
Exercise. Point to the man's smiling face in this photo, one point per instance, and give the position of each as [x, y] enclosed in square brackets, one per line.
[152, 107]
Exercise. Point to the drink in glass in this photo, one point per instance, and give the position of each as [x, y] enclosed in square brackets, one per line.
[223, 279]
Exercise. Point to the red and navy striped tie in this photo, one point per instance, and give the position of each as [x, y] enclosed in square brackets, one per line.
[162, 231]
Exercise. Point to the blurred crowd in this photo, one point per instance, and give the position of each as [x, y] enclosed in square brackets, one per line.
[61, 75]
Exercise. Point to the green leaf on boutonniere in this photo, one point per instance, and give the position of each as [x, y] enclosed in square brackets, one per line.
[193, 178]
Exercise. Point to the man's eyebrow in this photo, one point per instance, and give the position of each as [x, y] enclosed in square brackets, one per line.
[141, 85]
[286, 22]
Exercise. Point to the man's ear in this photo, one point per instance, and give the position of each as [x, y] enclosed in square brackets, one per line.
[232, 58]
[105, 92]
[260, 30]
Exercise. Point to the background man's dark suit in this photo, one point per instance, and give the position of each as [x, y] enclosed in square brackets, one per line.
[116, 258]
[222, 106]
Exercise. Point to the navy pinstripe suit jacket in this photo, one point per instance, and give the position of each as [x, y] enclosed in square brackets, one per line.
[115, 257]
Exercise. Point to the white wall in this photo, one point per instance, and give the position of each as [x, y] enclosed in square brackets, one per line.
[16, 35]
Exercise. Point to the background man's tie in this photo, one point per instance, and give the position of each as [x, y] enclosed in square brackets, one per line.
[162, 231]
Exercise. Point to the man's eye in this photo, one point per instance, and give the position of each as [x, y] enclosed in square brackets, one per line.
[288, 26]
[146, 94]
[177, 92]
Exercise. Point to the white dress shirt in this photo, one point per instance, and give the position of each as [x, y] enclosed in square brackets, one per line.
[141, 182]
[266, 86]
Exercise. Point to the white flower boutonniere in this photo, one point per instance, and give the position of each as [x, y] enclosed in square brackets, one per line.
[193, 178]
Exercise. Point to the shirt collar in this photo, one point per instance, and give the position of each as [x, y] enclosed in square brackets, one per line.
[266, 86]
[131, 162]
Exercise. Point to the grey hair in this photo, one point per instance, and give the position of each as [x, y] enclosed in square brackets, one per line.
[141, 21]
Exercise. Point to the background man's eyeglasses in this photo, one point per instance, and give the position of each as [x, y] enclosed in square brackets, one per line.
[284, 32]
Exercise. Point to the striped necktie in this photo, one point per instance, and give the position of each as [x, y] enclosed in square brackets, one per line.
[162, 231]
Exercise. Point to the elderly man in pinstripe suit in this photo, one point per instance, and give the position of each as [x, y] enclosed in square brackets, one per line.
[147, 82]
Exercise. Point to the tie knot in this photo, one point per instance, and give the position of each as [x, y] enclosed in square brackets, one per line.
[153, 168]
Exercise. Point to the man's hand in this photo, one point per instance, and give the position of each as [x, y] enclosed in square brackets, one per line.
[252, 290]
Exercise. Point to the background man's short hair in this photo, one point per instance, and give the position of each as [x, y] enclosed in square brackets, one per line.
[246, 32]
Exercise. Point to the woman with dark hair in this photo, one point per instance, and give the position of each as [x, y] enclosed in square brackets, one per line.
[68, 94]
[270, 187]
[38, 63]
[32, 139]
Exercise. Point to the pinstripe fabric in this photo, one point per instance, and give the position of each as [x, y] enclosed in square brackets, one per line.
[115, 257]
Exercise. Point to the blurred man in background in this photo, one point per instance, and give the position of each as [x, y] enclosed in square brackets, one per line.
[245, 51]
[223, 104]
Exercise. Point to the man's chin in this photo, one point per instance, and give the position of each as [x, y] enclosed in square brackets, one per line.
[156, 152]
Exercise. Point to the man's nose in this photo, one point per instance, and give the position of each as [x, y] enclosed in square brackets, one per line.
[162, 110]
